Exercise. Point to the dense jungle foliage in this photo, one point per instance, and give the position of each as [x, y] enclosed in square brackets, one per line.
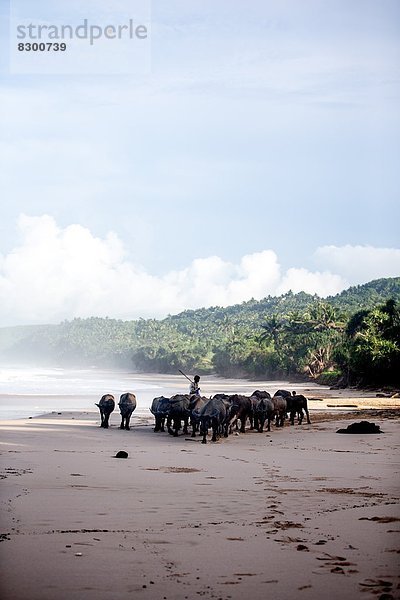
[353, 337]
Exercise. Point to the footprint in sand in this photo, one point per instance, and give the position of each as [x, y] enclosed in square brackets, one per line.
[336, 564]
[304, 587]
[380, 519]
[378, 586]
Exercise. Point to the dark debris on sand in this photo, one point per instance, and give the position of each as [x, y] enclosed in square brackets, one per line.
[362, 427]
[121, 454]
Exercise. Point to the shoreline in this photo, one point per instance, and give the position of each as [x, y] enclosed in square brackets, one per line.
[325, 400]
[18, 402]
[142, 415]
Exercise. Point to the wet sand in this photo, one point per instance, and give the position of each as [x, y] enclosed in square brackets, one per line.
[300, 512]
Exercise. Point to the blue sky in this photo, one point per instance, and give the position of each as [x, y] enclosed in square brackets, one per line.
[259, 154]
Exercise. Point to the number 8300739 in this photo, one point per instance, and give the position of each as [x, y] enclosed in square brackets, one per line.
[42, 47]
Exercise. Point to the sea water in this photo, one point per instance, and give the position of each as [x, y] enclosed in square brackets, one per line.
[31, 391]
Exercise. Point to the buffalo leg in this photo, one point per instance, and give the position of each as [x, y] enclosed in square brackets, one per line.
[169, 423]
[195, 428]
[185, 426]
[128, 421]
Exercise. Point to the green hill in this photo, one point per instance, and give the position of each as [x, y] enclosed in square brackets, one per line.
[293, 334]
[367, 295]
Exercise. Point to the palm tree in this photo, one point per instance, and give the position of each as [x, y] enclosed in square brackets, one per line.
[322, 316]
[272, 329]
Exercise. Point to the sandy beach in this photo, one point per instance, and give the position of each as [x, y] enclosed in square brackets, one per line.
[300, 512]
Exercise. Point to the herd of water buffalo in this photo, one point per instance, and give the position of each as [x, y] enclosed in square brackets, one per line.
[220, 413]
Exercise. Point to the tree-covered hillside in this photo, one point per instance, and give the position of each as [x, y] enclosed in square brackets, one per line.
[354, 335]
[367, 295]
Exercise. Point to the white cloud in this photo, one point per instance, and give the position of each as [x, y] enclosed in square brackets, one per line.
[302, 280]
[359, 264]
[61, 273]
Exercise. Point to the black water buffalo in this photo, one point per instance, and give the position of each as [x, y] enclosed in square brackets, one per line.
[222, 396]
[179, 411]
[195, 406]
[292, 406]
[263, 409]
[214, 415]
[160, 409]
[106, 406]
[296, 404]
[127, 404]
[254, 398]
[280, 407]
[261, 394]
[239, 410]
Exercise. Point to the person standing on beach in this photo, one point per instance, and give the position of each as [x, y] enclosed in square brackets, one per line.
[194, 386]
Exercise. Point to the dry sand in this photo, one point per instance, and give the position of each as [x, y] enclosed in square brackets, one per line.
[298, 513]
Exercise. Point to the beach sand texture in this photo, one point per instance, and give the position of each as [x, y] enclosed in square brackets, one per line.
[300, 512]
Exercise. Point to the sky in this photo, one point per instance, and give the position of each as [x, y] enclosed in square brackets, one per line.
[257, 153]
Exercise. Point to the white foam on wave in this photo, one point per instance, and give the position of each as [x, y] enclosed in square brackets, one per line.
[52, 381]
[31, 391]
